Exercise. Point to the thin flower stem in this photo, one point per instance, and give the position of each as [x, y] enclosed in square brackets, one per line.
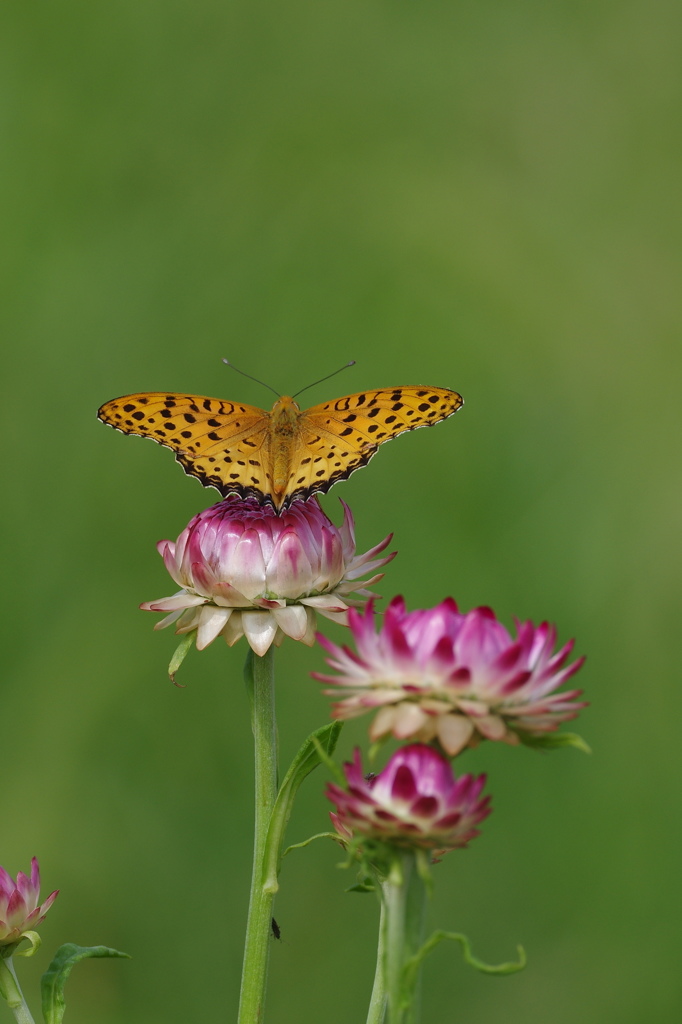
[11, 990]
[260, 679]
[404, 901]
[377, 1004]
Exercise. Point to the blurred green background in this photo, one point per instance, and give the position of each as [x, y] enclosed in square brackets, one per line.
[483, 196]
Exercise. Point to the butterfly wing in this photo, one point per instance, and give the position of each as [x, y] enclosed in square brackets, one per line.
[338, 437]
[221, 443]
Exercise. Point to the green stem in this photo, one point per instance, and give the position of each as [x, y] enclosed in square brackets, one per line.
[11, 990]
[404, 899]
[377, 1004]
[260, 680]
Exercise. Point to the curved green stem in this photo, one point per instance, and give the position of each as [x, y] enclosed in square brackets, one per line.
[260, 680]
[11, 991]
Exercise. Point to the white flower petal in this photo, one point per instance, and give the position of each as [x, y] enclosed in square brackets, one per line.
[168, 619]
[188, 621]
[170, 604]
[409, 719]
[454, 732]
[309, 637]
[325, 602]
[491, 726]
[383, 722]
[292, 619]
[475, 708]
[260, 629]
[233, 629]
[340, 617]
[212, 622]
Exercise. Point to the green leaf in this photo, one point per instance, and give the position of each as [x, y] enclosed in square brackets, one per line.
[181, 652]
[54, 978]
[35, 941]
[414, 963]
[306, 842]
[554, 740]
[317, 748]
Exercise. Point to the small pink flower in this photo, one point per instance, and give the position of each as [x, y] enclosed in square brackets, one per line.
[414, 801]
[19, 910]
[441, 674]
[247, 571]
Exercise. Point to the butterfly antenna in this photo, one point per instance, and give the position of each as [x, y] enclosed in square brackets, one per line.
[233, 367]
[345, 367]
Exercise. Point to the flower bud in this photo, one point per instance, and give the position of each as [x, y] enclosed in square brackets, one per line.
[414, 802]
[19, 909]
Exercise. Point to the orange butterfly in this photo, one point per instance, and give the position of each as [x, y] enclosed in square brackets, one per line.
[283, 454]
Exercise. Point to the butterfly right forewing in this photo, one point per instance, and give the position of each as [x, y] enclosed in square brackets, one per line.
[342, 435]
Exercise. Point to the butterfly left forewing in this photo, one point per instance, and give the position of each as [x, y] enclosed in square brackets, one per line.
[340, 436]
[221, 443]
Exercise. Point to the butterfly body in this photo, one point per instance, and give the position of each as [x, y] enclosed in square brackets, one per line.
[284, 433]
[283, 454]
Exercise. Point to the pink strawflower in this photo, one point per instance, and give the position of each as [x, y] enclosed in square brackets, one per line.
[19, 910]
[414, 801]
[441, 674]
[247, 571]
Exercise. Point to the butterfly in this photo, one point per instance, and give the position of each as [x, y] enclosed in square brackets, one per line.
[283, 454]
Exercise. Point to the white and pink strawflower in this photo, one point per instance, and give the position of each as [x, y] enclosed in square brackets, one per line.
[458, 678]
[414, 802]
[244, 570]
[19, 908]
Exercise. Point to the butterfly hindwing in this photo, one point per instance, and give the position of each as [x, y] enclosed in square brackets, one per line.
[217, 441]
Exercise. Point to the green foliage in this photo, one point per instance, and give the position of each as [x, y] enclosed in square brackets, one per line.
[413, 965]
[54, 978]
[319, 744]
[554, 741]
[180, 653]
